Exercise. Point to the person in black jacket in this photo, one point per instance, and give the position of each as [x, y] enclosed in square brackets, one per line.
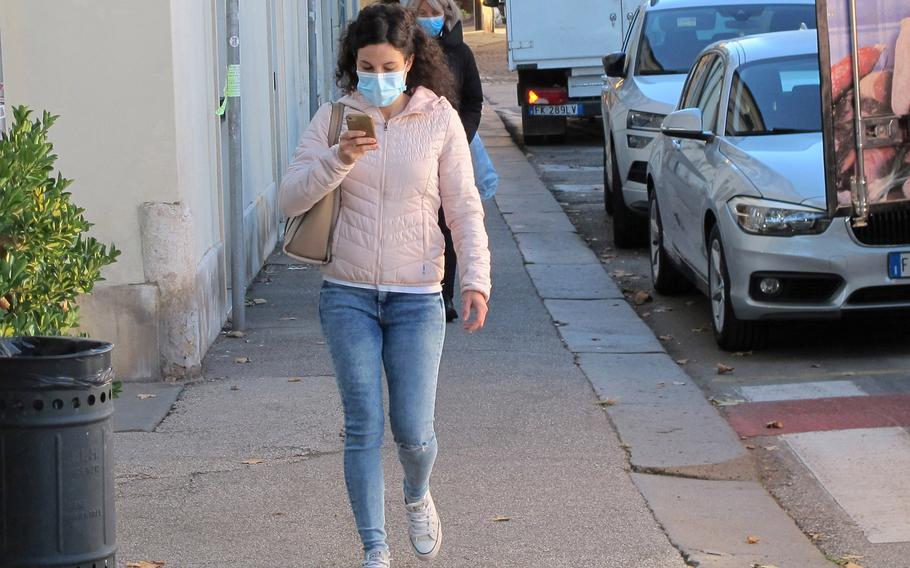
[442, 19]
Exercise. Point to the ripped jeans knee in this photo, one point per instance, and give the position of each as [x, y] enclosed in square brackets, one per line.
[417, 458]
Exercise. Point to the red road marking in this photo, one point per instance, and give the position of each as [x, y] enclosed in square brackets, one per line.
[820, 414]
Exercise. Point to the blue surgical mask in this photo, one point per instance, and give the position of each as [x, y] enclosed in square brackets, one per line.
[381, 89]
[433, 26]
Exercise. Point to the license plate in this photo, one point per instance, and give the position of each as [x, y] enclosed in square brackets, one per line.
[554, 110]
[899, 264]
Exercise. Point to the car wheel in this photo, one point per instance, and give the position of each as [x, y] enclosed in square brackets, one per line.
[730, 332]
[608, 193]
[629, 230]
[665, 276]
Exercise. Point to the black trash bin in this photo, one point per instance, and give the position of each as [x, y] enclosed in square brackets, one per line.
[56, 453]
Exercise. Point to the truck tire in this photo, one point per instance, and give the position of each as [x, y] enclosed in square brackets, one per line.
[629, 230]
[730, 332]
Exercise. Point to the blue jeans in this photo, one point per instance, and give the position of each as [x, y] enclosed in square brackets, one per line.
[367, 331]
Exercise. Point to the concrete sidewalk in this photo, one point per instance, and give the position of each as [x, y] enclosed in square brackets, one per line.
[530, 471]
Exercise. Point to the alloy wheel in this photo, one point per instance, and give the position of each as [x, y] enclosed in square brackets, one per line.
[654, 226]
[718, 286]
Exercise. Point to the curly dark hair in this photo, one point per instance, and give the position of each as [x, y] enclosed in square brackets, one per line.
[391, 23]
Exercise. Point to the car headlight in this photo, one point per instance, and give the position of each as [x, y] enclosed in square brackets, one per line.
[644, 120]
[773, 218]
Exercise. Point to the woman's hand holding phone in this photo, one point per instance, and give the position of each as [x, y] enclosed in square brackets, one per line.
[359, 139]
[354, 144]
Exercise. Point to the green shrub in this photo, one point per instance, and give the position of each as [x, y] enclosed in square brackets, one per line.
[46, 260]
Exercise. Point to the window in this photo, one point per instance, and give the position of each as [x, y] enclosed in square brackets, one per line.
[691, 90]
[633, 26]
[775, 96]
[709, 97]
[628, 38]
[672, 39]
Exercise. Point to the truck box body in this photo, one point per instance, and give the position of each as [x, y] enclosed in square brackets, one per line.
[561, 45]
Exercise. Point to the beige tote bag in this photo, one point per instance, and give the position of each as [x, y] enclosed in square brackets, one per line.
[308, 237]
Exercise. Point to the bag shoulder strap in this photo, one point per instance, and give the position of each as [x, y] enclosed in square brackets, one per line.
[335, 123]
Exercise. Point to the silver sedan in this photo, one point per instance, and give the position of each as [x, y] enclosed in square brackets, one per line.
[738, 204]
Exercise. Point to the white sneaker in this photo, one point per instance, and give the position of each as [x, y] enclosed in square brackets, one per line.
[424, 528]
[378, 558]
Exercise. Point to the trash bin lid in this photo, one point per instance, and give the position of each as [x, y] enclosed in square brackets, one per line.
[28, 363]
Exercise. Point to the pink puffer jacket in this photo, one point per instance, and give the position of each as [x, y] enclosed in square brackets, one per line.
[387, 231]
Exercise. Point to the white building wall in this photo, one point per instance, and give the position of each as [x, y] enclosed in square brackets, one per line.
[136, 83]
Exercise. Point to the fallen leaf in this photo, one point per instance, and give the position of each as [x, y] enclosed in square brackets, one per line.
[723, 369]
[752, 540]
[242, 360]
[701, 329]
[235, 388]
[254, 461]
[662, 309]
[770, 448]
[774, 425]
[236, 334]
[666, 338]
[501, 519]
[725, 401]
[145, 564]
[641, 297]
[626, 446]
[646, 315]
[293, 379]
[743, 353]
[763, 566]
[607, 402]
[682, 362]
[146, 396]
[624, 274]
[279, 514]
[751, 446]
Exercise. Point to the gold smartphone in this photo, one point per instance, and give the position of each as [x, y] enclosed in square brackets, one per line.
[361, 122]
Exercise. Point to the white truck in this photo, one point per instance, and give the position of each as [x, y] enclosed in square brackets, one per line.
[557, 48]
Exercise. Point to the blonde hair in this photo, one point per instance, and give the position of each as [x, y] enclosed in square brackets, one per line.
[450, 9]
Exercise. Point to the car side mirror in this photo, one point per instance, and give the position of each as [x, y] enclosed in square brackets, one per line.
[614, 64]
[492, 3]
[686, 123]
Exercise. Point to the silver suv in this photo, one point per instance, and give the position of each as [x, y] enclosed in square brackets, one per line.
[642, 84]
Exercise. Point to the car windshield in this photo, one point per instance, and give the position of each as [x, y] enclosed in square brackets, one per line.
[775, 96]
[673, 38]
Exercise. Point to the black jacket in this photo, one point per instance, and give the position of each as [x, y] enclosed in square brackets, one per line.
[467, 78]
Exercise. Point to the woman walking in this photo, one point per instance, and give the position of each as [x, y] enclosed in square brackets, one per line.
[441, 19]
[380, 303]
